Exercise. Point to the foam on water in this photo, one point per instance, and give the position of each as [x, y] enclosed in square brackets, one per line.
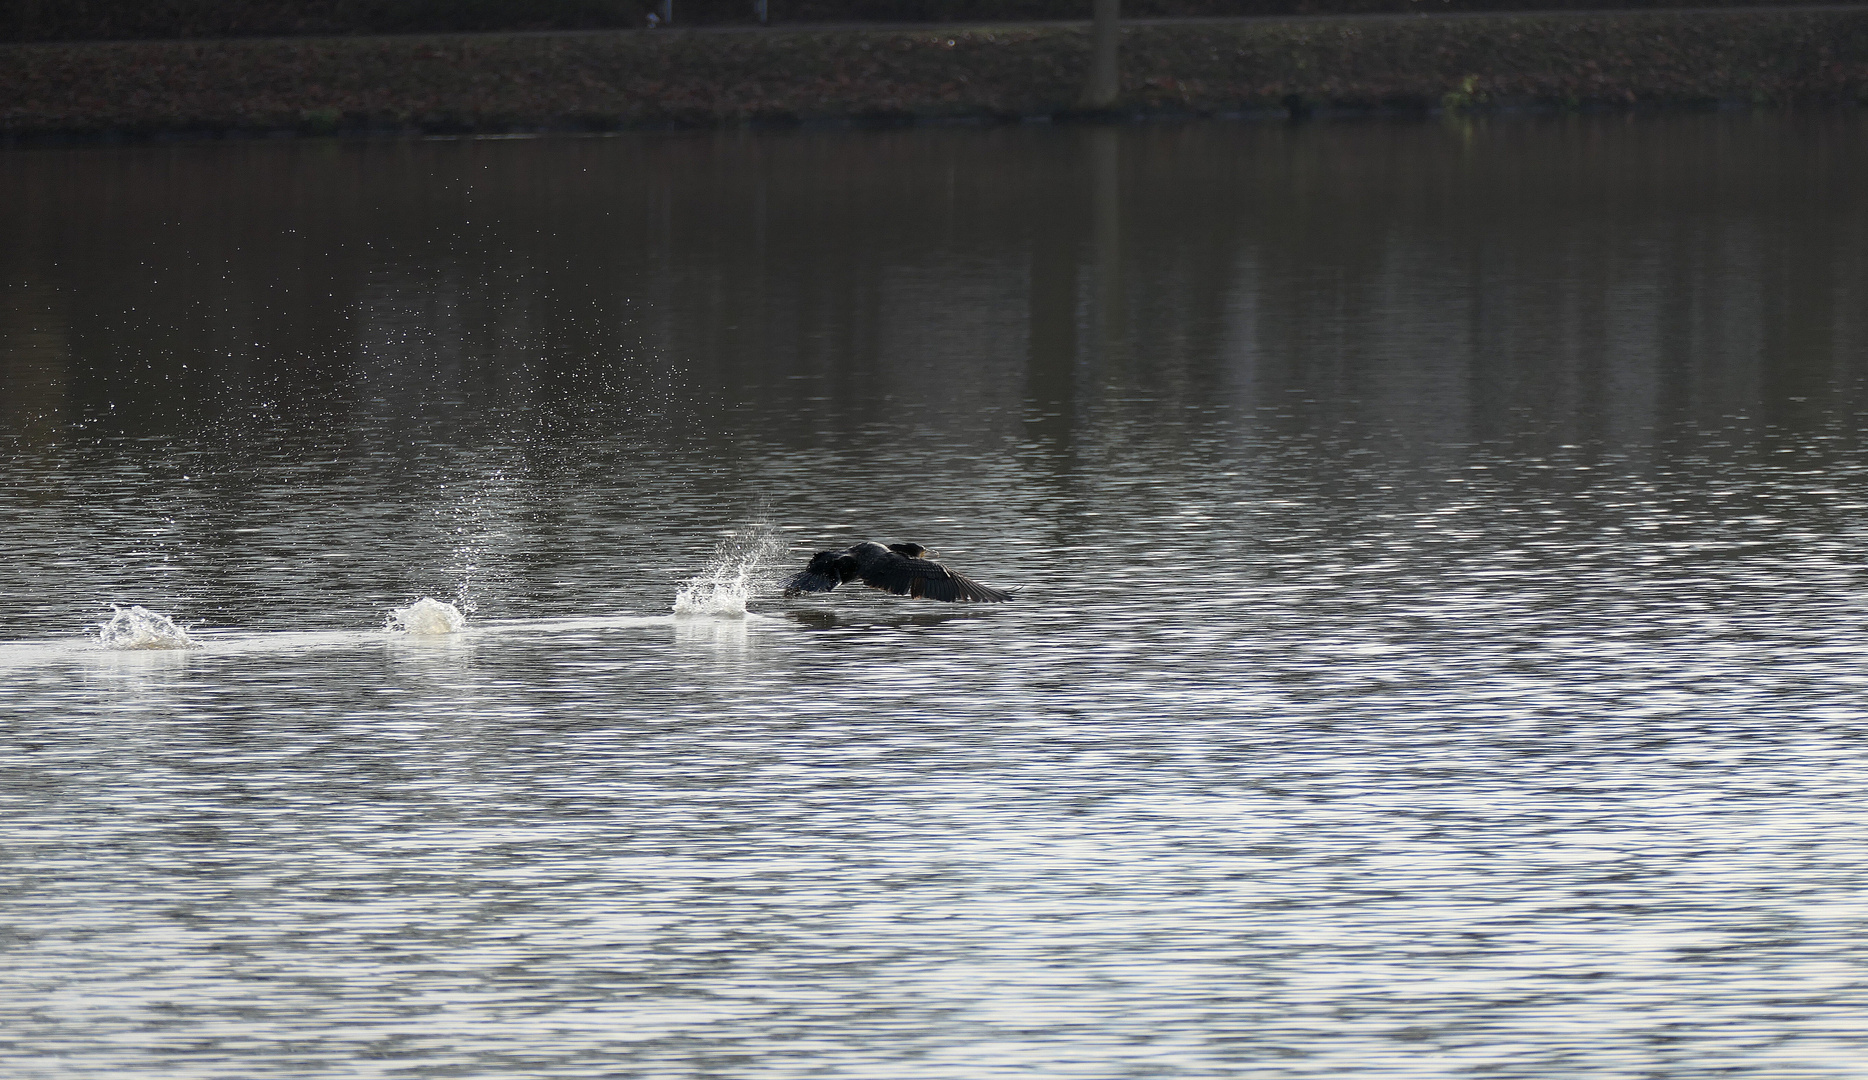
[426, 617]
[137, 627]
[732, 574]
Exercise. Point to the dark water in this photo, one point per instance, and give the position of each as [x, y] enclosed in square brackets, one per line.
[1440, 649]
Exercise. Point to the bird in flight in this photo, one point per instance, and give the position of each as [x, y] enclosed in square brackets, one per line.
[901, 569]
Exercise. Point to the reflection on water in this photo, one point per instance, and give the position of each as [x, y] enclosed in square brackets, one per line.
[1439, 649]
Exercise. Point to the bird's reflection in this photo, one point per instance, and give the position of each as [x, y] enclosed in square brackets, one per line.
[819, 619]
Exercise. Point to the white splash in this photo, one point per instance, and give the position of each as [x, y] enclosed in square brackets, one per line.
[137, 627]
[426, 617]
[733, 574]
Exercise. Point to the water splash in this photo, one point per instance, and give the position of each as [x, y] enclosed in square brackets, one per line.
[733, 573]
[137, 627]
[481, 517]
[426, 617]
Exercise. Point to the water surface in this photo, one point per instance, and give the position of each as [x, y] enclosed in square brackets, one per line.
[1439, 649]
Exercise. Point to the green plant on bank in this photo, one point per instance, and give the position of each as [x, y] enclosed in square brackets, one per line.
[1467, 97]
[320, 121]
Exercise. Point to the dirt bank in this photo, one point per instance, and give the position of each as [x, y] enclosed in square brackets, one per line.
[621, 79]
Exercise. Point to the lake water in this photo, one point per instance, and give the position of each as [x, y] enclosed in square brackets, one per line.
[1439, 648]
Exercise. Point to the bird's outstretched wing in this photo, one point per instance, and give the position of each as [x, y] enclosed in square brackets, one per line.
[929, 580]
[820, 576]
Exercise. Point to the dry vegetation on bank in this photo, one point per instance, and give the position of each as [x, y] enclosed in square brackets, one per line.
[617, 79]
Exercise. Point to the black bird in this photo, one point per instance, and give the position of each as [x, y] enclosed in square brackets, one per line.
[898, 569]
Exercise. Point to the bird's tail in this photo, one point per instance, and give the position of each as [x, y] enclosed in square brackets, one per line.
[826, 572]
[809, 581]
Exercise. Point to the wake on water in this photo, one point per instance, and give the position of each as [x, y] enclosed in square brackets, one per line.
[729, 579]
[137, 628]
[721, 589]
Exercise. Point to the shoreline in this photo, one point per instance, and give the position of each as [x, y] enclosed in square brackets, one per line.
[618, 80]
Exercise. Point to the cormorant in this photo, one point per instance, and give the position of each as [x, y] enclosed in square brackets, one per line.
[897, 568]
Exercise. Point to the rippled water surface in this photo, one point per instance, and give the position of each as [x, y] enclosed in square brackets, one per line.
[1439, 648]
